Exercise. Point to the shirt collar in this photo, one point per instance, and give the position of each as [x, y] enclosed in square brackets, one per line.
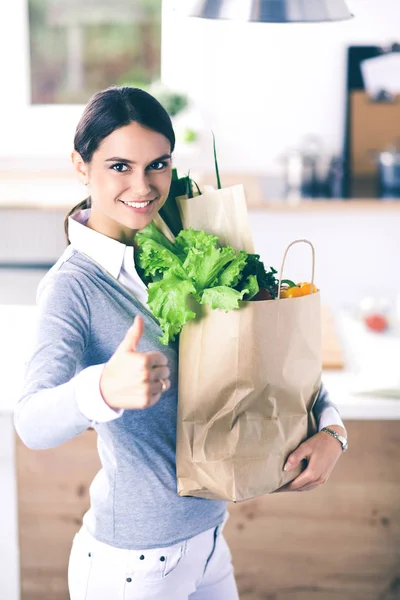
[107, 252]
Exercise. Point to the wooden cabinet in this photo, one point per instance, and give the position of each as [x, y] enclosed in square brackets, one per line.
[340, 541]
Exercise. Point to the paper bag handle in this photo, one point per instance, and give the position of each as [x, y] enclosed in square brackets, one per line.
[284, 259]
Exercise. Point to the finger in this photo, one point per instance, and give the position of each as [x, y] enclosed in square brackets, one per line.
[293, 487]
[295, 458]
[156, 387]
[154, 398]
[303, 482]
[305, 478]
[133, 335]
[158, 373]
[307, 488]
[156, 359]
[289, 487]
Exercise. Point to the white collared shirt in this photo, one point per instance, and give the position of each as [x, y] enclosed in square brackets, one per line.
[113, 256]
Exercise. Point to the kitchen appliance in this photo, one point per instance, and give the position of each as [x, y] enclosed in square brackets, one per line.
[389, 172]
[303, 168]
[272, 11]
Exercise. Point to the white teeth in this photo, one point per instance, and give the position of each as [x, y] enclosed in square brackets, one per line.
[136, 204]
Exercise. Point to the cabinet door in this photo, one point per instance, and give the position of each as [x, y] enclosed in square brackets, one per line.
[337, 542]
[53, 495]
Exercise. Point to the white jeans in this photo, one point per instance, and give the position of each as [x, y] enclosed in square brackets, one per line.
[199, 568]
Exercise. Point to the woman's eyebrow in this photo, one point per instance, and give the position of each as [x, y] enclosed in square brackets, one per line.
[132, 162]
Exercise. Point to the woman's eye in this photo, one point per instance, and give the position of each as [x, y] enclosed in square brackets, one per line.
[120, 167]
[158, 166]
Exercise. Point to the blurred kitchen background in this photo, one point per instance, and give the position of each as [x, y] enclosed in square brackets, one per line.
[307, 117]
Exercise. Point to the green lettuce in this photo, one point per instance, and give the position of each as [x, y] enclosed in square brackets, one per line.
[222, 297]
[194, 267]
[150, 232]
[155, 258]
[204, 266]
[251, 287]
[167, 300]
[191, 238]
[232, 273]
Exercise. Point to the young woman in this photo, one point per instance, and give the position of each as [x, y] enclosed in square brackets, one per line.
[91, 367]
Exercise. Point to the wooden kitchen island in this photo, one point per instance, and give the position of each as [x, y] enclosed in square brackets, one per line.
[340, 541]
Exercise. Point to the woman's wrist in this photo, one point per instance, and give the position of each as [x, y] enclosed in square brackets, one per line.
[340, 430]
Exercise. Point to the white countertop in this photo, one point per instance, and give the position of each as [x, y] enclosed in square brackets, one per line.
[377, 354]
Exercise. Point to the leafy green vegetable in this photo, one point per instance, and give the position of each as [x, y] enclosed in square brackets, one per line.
[195, 267]
[155, 258]
[169, 212]
[222, 297]
[251, 286]
[265, 279]
[216, 163]
[203, 267]
[191, 238]
[151, 232]
[167, 300]
[231, 275]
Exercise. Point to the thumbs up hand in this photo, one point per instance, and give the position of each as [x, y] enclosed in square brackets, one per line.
[132, 379]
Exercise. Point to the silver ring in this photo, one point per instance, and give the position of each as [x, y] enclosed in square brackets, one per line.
[163, 385]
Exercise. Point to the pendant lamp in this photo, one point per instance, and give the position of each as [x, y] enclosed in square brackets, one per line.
[271, 11]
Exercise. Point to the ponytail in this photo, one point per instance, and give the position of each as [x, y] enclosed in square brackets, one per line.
[86, 203]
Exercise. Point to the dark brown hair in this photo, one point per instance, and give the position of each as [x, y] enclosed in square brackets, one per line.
[109, 110]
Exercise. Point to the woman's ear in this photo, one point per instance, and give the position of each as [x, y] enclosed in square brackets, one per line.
[80, 167]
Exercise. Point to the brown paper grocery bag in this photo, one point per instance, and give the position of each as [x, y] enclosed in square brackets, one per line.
[248, 380]
[220, 212]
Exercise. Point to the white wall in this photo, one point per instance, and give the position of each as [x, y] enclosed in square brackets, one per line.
[355, 251]
[261, 87]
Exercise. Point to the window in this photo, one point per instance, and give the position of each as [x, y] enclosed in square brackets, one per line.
[78, 47]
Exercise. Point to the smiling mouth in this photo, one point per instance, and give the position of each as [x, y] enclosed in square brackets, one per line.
[138, 204]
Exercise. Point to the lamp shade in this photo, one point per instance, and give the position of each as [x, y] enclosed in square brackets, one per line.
[271, 11]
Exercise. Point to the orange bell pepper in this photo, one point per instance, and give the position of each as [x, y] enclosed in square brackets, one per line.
[306, 287]
[291, 292]
[300, 289]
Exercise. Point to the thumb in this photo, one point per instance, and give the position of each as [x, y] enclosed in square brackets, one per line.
[296, 457]
[133, 335]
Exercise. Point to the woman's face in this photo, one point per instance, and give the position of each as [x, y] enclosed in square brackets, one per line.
[129, 176]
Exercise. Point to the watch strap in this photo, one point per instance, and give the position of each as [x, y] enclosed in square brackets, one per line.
[341, 439]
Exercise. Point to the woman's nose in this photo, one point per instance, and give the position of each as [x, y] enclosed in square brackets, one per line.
[140, 186]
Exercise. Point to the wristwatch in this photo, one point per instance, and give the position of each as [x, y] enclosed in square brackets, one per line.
[340, 438]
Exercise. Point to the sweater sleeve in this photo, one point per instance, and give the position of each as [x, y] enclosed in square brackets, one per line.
[49, 410]
[325, 411]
